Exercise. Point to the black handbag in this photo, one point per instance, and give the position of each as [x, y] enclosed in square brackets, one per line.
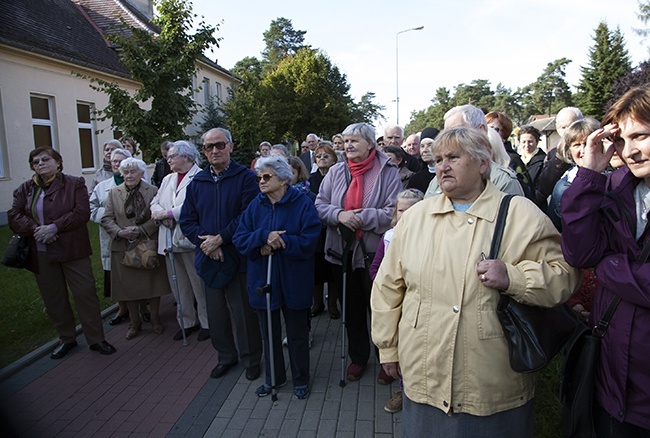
[17, 252]
[534, 334]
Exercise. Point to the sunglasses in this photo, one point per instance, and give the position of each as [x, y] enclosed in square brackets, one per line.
[221, 145]
[319, 156]
[266, 177]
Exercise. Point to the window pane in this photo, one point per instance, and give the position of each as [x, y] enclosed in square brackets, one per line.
[40, 108]
[86, 145]
[83, 113]
[42, 136]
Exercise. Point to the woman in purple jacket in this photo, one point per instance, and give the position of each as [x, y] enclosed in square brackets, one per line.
[604, 222]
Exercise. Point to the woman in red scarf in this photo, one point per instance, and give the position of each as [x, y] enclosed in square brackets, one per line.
[359, 194]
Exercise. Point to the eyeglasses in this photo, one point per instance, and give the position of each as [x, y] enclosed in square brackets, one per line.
[171, 156]
[221, 145]
[42, 160]
[319, 156]
[265, 176]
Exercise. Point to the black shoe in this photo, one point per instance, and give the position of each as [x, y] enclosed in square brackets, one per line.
[220, 370]
[103, 348]
[188, 331]
[317, 310]
[204, 335]
[118, 319]
[253, 372]
[146, 317]
[63, 349]
[335, 314]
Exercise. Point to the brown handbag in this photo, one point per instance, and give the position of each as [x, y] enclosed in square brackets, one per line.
[141, 254]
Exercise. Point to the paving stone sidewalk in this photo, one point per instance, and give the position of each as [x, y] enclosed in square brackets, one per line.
[155, 387]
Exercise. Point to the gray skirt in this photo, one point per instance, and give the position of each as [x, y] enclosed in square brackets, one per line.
[421, 420]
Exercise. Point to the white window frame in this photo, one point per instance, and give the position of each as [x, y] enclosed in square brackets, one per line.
[217, 87]
[206, 91]
[51, 122]
[93, 136]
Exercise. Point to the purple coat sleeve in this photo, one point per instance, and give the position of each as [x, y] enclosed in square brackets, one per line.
[379, 256]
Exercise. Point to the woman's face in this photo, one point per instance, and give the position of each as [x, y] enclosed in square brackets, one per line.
[108, 149]
[132, 176]
[116, 161]
[323, 159]
[268, 181]
[44, 165]
[296, 173]
[178, 163]
[401, 206]
[357, 148]
[577, 149]
[633, 146]
[497, 126]
[460, 177]
[527, 143]
[338, 144]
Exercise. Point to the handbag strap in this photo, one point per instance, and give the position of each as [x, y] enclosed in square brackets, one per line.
[499, 227]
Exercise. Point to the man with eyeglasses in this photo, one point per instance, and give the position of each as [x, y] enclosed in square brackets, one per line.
[307, 156]
[214, 202]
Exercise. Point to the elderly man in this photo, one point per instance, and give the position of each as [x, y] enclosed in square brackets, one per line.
[307, 156]
[394, 136]
[420, 180]
[504, 178]
[214, 202]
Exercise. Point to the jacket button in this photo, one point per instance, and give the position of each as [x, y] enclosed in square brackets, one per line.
[470, 220]
[455, 309]
[445, 404]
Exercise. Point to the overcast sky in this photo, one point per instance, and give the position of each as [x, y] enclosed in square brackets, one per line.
[507, 41]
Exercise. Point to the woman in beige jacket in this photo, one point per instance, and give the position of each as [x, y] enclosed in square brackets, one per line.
[434, 299]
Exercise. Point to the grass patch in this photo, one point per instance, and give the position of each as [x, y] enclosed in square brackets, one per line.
[24, 325]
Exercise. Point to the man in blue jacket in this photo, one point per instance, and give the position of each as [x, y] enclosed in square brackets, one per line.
[214, 202]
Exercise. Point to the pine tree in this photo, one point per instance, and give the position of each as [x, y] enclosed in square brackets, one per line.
[608, 61]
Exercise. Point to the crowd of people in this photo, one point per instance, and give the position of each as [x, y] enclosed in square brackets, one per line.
[290, 236]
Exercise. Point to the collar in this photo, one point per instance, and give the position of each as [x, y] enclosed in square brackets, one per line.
[482, 208]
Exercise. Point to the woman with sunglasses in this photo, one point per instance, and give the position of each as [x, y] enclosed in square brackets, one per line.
[281, 222]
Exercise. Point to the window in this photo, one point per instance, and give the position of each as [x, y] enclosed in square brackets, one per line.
[206, 91]
[217, 87]
[43, 120]
[87, 140]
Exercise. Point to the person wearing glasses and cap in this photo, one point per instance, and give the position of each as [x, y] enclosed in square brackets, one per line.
[214, 202]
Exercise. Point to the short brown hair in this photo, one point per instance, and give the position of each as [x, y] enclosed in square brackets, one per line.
[505, 121]
[633, 104]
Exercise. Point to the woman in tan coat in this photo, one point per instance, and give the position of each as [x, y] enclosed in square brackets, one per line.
[128, 218]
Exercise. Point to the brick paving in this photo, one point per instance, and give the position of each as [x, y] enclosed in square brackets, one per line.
[155, 387]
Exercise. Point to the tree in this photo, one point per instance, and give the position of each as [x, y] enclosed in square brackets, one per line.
[638, 76]
[281, 40]
[434, 115]
[478, 93]
[644, 16]
[550, 92]
[164, 65]
[608, 61]
[366, 110]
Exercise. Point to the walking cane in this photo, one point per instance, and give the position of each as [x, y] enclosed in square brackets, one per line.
[266, 289]
[348, 240]
[177, 293]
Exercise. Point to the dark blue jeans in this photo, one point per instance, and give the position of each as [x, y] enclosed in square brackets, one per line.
[297, 328]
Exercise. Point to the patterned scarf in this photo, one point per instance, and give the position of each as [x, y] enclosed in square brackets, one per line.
[354, 197]
[135, 207]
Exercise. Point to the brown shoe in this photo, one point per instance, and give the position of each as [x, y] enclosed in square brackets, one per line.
[158, 328]
[132, 332]
[394, 404]
[355, 371]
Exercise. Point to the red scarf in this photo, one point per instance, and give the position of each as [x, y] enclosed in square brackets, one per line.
[354, 197]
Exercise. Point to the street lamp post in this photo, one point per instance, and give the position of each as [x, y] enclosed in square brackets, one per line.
[397, 66]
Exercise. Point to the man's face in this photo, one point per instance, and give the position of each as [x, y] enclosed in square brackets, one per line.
[217, 150]
[412, 145]
[312, 142]
[265, 151]
[393, 137]
[563, 120]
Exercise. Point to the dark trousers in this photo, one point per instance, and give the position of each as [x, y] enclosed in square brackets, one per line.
[607, 426]
[297, 328]
[232, 302]
[357, 309]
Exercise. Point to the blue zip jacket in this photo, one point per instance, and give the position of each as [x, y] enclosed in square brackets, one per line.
[212, 208]
[292, 271]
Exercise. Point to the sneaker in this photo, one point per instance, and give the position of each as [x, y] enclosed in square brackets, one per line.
[301, 392]
[265, 389]
[383, 378]
[285, 343]
[355, 371]
[394, 404]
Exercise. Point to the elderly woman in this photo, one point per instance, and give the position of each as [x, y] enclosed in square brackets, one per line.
[604, 223]
[166, 208]
[52, 210]
[325, 157]
[358, 194]
[97, 206]
[132, 146]
[106, 171]
[283, 223]
[127, 219]
[434, 299]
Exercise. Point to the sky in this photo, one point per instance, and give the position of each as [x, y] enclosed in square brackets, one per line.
[502, 41]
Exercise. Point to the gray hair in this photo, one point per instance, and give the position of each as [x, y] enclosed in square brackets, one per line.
[364, 130]
[116, 143]
[471, 141]
[280, 166]
[133, 163]
[124, 152]
[571, 111]
[186, 149]
[472, 116]
[264, 143]
[391, 127]
[280, 147]
[222, 130]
